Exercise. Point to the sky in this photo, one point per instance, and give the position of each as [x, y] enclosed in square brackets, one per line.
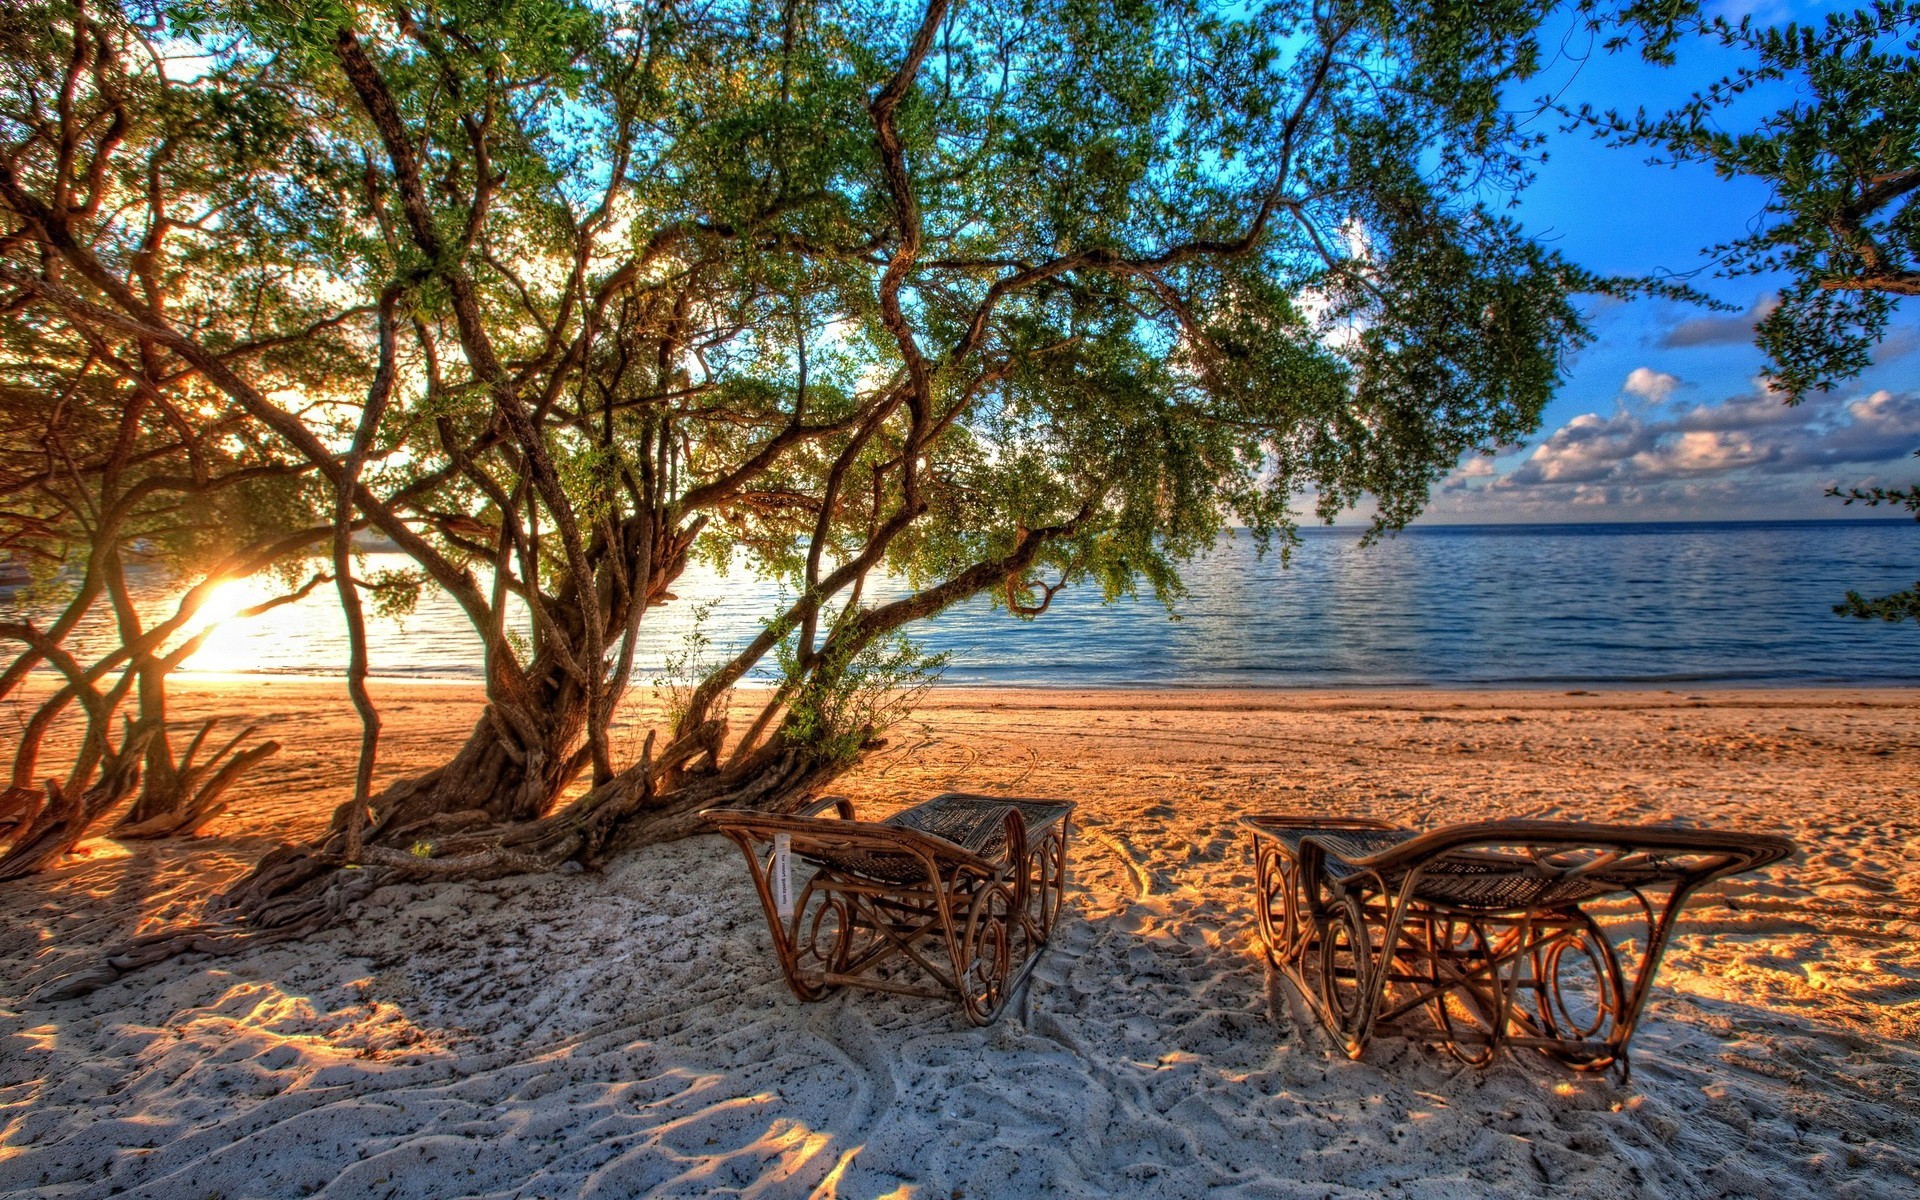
[1664, 417]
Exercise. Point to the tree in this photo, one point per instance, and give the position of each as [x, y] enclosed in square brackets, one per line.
[1843, 161]
[983, 300]
[113, 461]
[1896, 606]
[104, 477]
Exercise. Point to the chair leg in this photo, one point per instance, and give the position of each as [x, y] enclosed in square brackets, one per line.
[1582, 993]
[984, 967]
[1347, 973]
[1458, 955]
[817, 941]
[1275, 904]
[1049, 886]
[1659, 932]
[781, 930]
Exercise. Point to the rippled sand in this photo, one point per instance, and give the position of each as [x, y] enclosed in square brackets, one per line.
[625, 1033]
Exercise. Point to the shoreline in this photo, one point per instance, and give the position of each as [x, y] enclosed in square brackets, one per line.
[1566, 687]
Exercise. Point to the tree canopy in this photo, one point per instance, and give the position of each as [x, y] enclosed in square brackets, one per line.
[979, 298]
[1842, 159]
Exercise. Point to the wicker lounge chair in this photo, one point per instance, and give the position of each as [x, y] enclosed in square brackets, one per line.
[953, 897]
[1482, 935]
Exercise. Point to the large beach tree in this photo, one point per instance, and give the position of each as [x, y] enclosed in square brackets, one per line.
[969, 298]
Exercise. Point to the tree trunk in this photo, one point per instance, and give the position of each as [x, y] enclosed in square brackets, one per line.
[162, 785]
[518, 759]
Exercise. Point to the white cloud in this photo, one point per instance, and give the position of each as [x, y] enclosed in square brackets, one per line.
[1650, 384]
[1723, 456]
[1698, 452]
[1461, 478]
[1883, 410]
[1587, 448]
[1762, 407]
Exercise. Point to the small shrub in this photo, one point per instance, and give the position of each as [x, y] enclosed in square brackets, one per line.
[851, 699]
[685, 669]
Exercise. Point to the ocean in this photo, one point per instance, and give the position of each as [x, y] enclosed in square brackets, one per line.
[1507, 605]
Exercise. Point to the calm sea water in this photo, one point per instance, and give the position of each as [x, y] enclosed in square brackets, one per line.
[1479, 605]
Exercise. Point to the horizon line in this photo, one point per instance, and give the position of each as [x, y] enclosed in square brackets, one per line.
[1422, 523]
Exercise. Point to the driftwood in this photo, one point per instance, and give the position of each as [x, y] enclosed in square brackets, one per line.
[198, 790]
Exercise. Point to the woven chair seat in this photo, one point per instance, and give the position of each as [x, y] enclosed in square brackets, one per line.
[976, 824]
[1343, 844]
[1503, 891]
[1478, 880]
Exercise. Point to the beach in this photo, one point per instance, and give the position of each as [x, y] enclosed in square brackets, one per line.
[625, 1032]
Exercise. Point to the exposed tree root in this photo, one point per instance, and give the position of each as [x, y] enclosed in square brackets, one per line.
[297, 890]
[47, 824]
[149, 949]
[198, 791]
[62, 820]
[18, 804]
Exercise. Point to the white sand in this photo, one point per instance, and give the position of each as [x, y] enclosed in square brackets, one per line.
[625, 1034]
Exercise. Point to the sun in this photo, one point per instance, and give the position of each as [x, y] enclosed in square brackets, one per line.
[225, 603]
[305, 634]
[225, 641]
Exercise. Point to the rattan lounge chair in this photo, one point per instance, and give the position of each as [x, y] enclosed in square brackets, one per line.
[1483, 935]
[953, 897]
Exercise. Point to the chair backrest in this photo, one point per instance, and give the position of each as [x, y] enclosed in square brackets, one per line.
[866, 847]
[1601, 855]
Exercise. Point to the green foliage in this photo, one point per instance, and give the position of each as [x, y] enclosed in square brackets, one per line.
[1895, 607]
[1058, 302]
[840, 706]
[1842, 158]
[395, 592]
[1873, 497]
[1898, 606]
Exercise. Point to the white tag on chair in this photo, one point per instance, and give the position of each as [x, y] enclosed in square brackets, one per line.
[783, 874]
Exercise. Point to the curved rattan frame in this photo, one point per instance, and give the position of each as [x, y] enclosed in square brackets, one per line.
[899, 909]
[1482, 929]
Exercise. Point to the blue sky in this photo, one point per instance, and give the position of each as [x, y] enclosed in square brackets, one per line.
[1663, 416]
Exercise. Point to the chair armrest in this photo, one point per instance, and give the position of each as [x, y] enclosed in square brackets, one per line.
[1273, 822]
[842, 805]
